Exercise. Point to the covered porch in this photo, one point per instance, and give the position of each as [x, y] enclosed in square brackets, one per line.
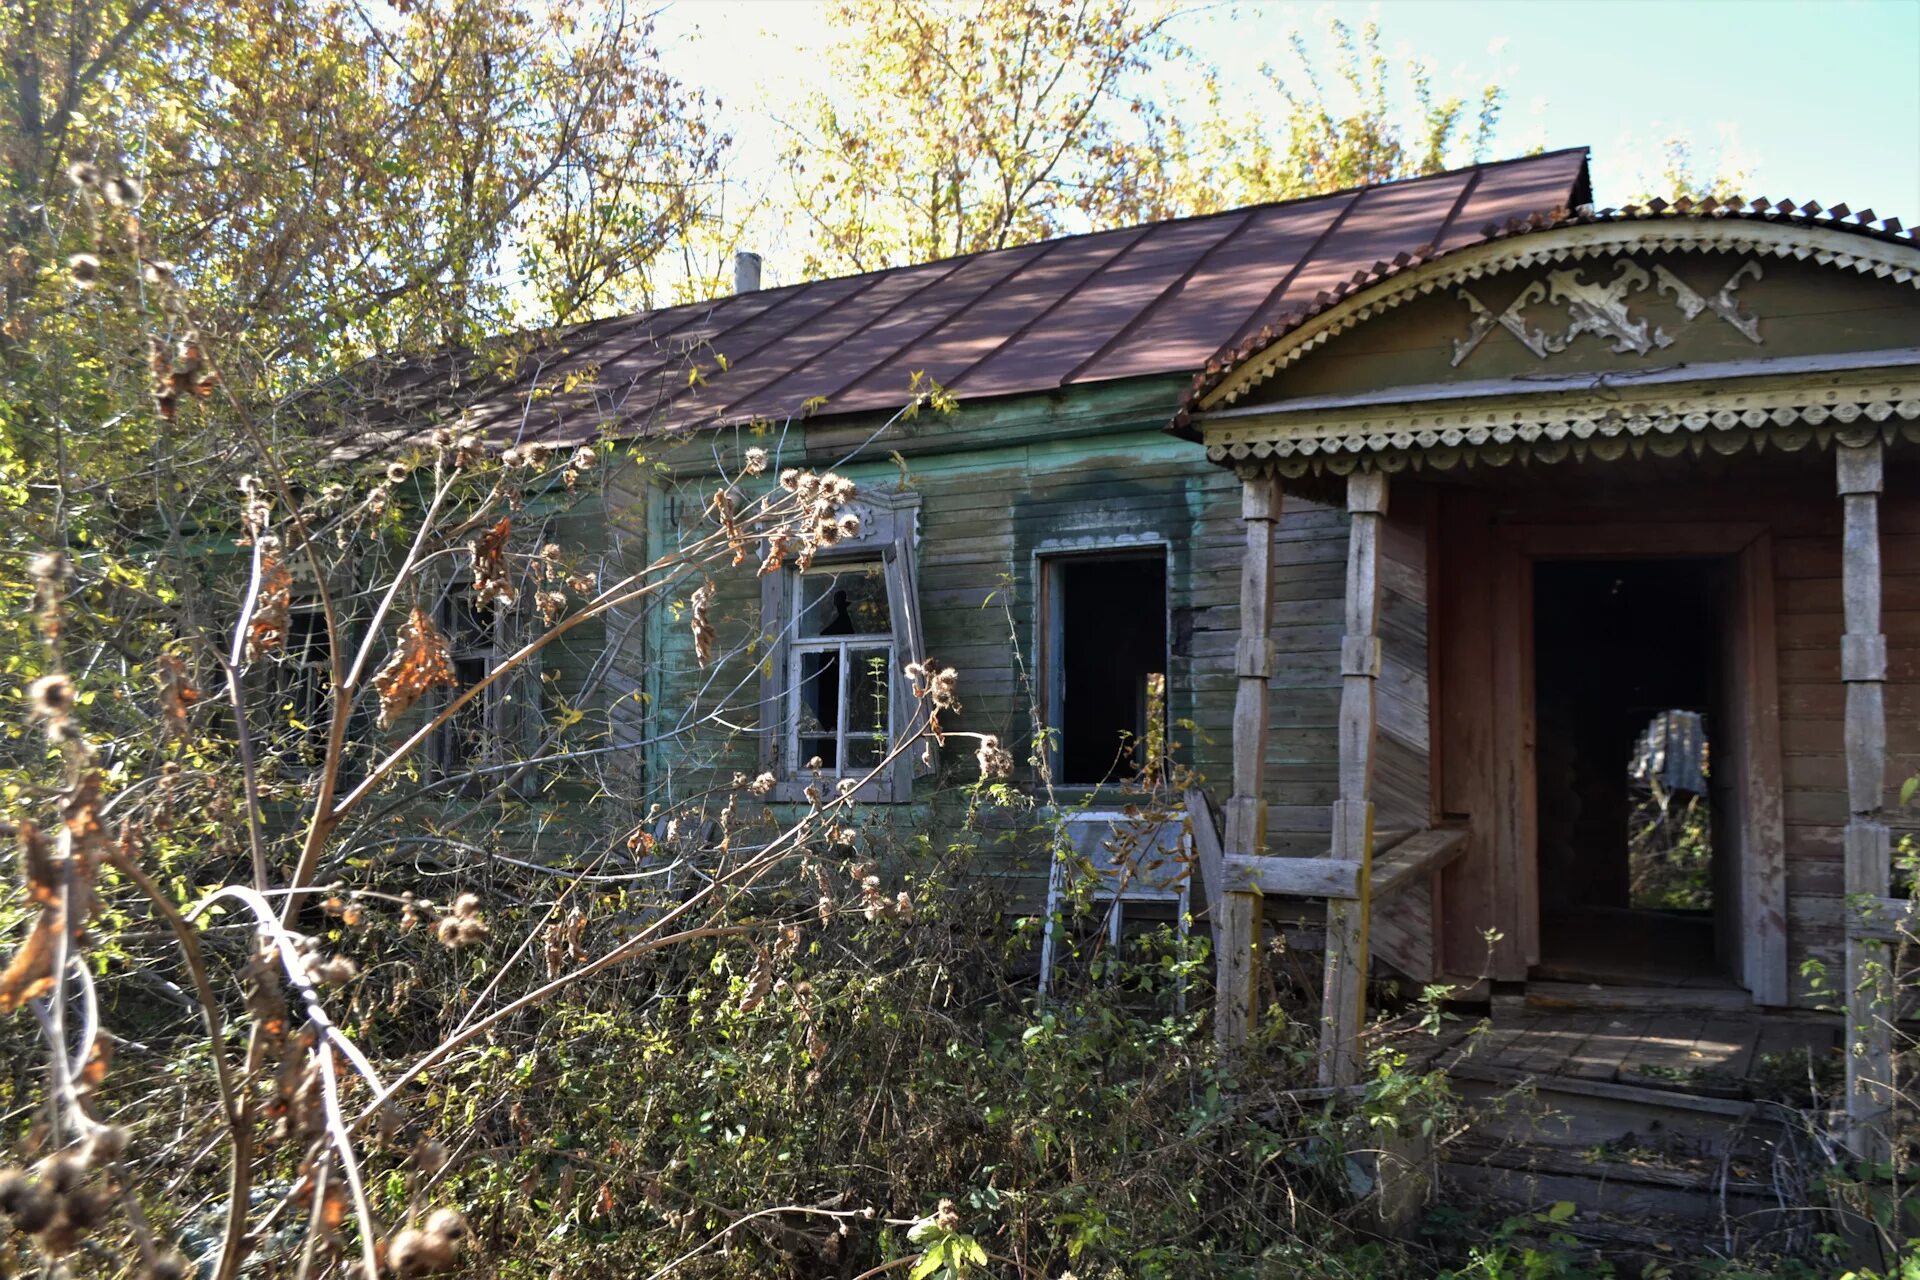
[1732, 507]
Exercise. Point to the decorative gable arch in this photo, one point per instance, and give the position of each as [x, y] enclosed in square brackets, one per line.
[1598, 336]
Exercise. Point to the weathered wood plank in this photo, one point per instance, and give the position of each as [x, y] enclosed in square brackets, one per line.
[1293, 877]
[1344, 998]
[1207, 853]
[1238, 937]
[1417, 857]
[1762, 824]
[1869, 868]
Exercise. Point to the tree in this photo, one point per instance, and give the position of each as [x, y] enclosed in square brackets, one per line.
[977, 126]
[332, 184]
[957, 128]
[1313, 131]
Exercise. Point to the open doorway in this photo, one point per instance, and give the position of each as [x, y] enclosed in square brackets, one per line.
[1106, 662]
[1627, 701]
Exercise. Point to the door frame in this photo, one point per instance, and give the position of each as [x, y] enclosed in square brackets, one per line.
[1758, 841]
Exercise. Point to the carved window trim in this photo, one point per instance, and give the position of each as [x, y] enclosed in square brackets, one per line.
[889, 529]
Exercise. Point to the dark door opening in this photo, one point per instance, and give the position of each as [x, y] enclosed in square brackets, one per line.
[1106, 661]
[1627, 698]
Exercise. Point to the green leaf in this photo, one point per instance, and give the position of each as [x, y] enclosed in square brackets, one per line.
[1562, 1211]
[1907, 789]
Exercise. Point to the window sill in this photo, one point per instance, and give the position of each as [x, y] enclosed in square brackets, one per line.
[876, 792]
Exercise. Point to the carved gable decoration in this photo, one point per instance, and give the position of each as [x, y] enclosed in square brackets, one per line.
[1600, 301]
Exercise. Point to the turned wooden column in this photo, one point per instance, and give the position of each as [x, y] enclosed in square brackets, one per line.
[1237, 936]
[1869, 865]
[1344, 1001]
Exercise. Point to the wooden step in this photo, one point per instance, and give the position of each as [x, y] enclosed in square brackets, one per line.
[1615, 1190]
[1574, 996]
[1574, 1114]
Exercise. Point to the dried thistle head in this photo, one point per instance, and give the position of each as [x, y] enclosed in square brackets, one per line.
[157, 272]
[397, 472]
[83, 174]
[123, 192]
[584, 459]
[50, 697]
[85, 269]
[762, 785]
[701, 624]
[756, 461]
[996, 762]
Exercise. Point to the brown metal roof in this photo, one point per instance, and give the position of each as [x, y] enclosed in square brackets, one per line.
[1140, 301]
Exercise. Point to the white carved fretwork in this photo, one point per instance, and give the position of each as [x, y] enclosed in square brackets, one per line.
[1603, 310]
[1722, 304]
[1541, 344]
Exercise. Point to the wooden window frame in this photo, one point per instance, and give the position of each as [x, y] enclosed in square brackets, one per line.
[889, 535]
[495, 699]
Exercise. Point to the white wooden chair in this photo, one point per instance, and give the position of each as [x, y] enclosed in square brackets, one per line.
[1138, 860]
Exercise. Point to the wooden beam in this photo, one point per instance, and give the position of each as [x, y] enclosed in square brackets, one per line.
[1420, 855]
[1885, 920]
[1869, 864]
[1399, 858]
[1293, 877]
[1207, 854]
[1237, 932]
[1762, 825]
[1343, 1012]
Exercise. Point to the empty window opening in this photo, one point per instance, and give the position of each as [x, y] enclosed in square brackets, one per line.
[1627, 668]
[1107, 662]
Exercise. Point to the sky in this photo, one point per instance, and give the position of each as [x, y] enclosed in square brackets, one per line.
[1813, 99]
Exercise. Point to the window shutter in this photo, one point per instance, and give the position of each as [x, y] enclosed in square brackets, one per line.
[910, 647]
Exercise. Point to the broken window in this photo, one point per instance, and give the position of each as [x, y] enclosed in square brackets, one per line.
[501, 725]
[1106, 663]
[303, 681]
[840, 666]
[847, 629]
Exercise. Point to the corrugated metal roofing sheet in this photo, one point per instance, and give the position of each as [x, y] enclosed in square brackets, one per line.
[1139, 301]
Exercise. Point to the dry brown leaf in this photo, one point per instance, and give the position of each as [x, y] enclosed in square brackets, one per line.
[492, 580]
[30, 973]
[177, 695]
[267, 628]
[419, 663]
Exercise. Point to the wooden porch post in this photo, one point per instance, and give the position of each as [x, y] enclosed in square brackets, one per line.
[1863, 667]
[1238, 935]
[1344, 1002]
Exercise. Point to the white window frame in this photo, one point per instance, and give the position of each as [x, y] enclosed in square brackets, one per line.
[889, 524]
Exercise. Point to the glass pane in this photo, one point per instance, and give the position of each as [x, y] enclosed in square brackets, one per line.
[863, 754]
[820, 749]
[868, 681]
[818, 693]
[845, 600]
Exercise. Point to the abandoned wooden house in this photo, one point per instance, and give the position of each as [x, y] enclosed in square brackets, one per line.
[1427, 505]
